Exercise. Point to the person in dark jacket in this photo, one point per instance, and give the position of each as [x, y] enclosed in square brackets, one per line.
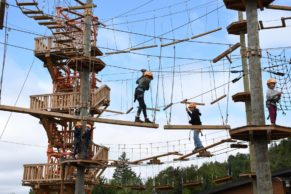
[195, 114]
[143, 85]
[77, 138]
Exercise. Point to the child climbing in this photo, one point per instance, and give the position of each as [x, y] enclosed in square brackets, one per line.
[273, 96]
[195, 114]
[143, 85]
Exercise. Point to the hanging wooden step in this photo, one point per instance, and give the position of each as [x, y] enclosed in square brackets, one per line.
[239, 5]
[225, 53]
[239, 146]
[26, 3]
[42, 17]
[155, 157]
[55, 26]
[237, 28]
[192, 185]
[218, 99]
[242, 97]
[279, 7]
[265, 132]
[222, 179]
[202, 127]
[68, 117]
[203, 149]
[136, 187]
[48, 23]
[32, 12]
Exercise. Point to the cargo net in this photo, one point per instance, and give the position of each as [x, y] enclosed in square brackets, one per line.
[280, 68]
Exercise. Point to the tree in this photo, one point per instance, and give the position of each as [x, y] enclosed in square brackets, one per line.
[280, 155]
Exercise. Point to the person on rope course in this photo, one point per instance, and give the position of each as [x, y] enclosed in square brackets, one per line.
[273, 96]
[195, 114]
[143, 85]
[87, 137]
[77, 138]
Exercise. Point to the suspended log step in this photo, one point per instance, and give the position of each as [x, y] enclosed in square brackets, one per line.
[143, 47]
[222, 179]
[265, 132]
[26, 3]
[202, 127]
[185, 101]
[237, 28]
[241, 97]
[248, 175]
[48, 23]
[55, 26]
[239, 5]
[203, 149]
[32, 12]
[238, 145]
[155, 157]
[42, 17]
[279, 7]
[163, 187]
[192, 184]
[116, 52]
[228, 51]
[218, 99]
[48, 114]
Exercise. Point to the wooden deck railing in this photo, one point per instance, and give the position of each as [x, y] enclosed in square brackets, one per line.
[41, 172]
[67, 100]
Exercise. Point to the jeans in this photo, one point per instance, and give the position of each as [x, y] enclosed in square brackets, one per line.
[197, 141]
[142, 107]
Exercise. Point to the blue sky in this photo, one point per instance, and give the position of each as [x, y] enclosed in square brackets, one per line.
[194, 74]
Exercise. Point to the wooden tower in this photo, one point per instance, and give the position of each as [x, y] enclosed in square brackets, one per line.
[62, 55]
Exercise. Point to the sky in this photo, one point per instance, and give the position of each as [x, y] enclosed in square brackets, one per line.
[186, 71]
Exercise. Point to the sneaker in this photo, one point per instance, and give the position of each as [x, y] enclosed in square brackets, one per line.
[147, 121]
[137, 119]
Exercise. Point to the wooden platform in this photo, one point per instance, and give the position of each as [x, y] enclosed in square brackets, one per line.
[267, 132]
[191, 185]
[191, 127]
[154, 159]
[69, 117]
[236, 28]
[241, 97]
[78, 63]
[239, 5]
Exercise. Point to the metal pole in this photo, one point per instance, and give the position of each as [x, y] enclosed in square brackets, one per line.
[248, 107]
[84, 92]
[263, 173]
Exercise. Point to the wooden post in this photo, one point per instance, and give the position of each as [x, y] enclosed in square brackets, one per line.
[264, 179]
[2, 12]
[84, 90]
[248, 108]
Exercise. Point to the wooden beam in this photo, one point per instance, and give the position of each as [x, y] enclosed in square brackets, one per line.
[228, 51]
[39, 114]
[218, 99]
[2, 12]
[143, 47]
[26, 3]
[202, 127]
[42, 17]
[185, 101]
[155, 157]
[279, 7]
[81, 7]
[32, 12]
[205, 33]
[204, 149]
[116, 52]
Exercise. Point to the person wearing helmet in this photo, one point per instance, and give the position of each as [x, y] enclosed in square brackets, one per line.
[143, 85]
[273, 96]
[87, 137]
[77, 138]
[195, 114]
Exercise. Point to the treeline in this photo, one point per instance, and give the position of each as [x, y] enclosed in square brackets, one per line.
[124, 177]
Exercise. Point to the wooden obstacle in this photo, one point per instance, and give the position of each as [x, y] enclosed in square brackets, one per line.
[204, 149]
[239, 5]
[225, 53]
[185, 101]
[143, 47]
[117, 52]
[279, 7]
[241, 97]
[163, 187]
[69, 117]
[264, 132]
[136, 187]
[222, 179]
[191, 185]
[191, 127]
[236, 28]
[218, 99]
[155, 158]
[238, 145]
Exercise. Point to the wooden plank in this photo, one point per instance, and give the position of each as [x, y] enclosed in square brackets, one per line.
[32, 12]
[205, 33]
[185, 101]
[42, 17]
[218, 99]
[48, 23]
[75, 118]
[204, 149]
[26, 3]
[2, 12]
[202, 127]
[116, 52]
[155, 157]
[279, 7]
[228, 51]
[82, 7]
[143, 47]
